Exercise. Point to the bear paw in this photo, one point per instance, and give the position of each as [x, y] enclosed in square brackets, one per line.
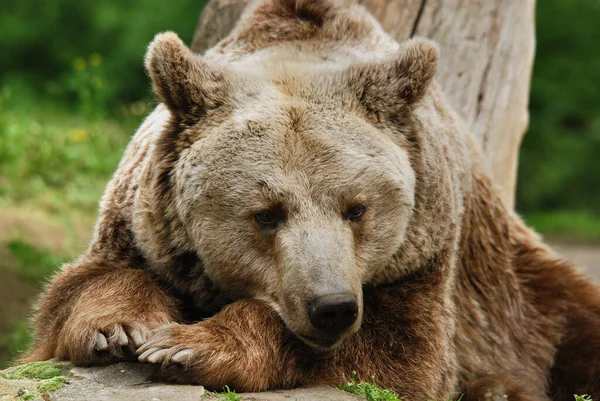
[101, 344]
[205, 354]
[121, 336]
[163, 347]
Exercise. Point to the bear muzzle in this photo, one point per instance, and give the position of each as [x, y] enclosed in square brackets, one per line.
[332, 317]
[333, 313]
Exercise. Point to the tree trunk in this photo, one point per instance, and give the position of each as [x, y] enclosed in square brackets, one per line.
[487, 49]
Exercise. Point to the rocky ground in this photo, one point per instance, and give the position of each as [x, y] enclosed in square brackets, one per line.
[130, 382]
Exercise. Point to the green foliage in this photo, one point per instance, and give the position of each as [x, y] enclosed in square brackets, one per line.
[229, 395]
[88, 81]
[372, 392]
[34, 264]
[573, 226]
[45, 41]
[368, 390]
[560, 156]
[584, 397]
[16, 339]
[59, 160]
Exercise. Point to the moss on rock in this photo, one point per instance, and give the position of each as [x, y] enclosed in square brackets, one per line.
[52, 385]
[36, 370]
[48, 376]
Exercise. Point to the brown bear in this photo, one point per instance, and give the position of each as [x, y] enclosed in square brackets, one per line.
[304, 204]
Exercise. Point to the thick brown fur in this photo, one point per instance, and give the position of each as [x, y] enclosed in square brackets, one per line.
[309, 108]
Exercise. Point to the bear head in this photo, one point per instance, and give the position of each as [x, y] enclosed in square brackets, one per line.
[292, 185]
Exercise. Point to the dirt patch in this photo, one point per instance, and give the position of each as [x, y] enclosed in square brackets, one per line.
[16, 294]
[33, 227]
[587, 257]
[18, 286]
[16, 298]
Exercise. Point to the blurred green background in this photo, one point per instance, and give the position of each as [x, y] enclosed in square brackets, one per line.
[73, 90]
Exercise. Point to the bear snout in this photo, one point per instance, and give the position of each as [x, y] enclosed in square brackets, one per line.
[333, 313]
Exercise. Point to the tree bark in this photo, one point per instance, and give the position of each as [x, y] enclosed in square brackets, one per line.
[487, 49]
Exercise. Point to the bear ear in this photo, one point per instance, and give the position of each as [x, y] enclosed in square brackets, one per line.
[416, 67]
[182, 80]
[402, 81]
[314, 11]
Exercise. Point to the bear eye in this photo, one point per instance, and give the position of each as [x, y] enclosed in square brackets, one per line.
[355, 212]
[270, 218]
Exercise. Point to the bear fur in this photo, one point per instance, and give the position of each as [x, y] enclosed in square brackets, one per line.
[310, 117]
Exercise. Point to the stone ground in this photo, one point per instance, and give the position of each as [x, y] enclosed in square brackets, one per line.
[131, 382]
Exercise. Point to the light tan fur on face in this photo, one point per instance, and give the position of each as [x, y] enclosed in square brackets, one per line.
[315, 175]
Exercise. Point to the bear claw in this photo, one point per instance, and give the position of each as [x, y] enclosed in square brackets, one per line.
[145, 353]
[121, 337]
[101, 342]
[158, 356]
[495, 394]
[182, 356]
[163, 355]
[161, 348]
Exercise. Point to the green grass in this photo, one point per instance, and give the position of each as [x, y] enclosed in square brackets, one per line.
[35, 264]
[54, 159]
[370, 391]
[229, 395]
[16, 340]
[24, 395]
[566, 225]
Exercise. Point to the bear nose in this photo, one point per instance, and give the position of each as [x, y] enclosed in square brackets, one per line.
[333, 312]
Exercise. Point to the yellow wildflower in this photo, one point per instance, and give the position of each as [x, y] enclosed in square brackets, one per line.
[98, 82]
[95, 59]
[79, 135]
[79, 64]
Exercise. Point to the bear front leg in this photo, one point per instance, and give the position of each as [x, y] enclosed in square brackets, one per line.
[244, 346]
[247, 347]
[91, 313]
